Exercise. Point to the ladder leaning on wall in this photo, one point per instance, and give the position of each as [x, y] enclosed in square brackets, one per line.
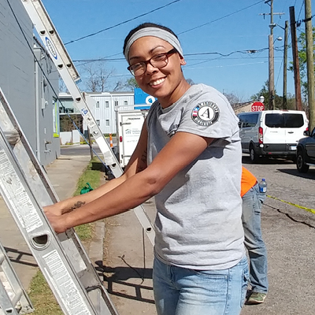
[62, 259]
[82, 102]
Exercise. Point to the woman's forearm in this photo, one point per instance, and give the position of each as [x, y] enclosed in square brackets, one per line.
[76, 202]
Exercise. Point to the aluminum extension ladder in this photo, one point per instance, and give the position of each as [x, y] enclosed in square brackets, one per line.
[63, 261]
[70, 76]
[13, 298]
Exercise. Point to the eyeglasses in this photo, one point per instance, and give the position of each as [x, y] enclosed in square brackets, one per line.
[158, 61]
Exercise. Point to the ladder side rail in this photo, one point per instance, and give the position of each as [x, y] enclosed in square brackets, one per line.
[54, 46]
[40, 237]
[6, 306]
[39, 16]
[22, 149]
[19, 297]
[57, 51]
[45, 195]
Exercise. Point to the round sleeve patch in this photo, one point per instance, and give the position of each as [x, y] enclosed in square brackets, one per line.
[205, 113]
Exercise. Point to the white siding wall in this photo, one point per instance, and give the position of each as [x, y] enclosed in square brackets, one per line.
[104, 111]
[17, 80]
[103, 107]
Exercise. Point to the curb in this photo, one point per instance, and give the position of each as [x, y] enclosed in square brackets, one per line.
[96, 249]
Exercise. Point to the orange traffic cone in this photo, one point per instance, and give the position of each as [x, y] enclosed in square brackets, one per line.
[110, 140]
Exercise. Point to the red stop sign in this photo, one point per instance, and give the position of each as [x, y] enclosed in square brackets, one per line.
[257, 107]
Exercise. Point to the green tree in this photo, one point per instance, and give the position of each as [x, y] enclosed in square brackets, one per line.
[278, 99]
[131, 83]
[265, 93]
[302, 60]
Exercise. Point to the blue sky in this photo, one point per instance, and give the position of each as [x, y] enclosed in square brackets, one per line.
[215, 36]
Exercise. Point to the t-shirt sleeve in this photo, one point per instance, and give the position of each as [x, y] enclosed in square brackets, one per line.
[209, 116]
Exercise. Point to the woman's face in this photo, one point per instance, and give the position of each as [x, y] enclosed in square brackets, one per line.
[167, 84]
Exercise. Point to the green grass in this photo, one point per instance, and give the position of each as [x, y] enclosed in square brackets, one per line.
[93, 178]
[42, 298]
[40, 294]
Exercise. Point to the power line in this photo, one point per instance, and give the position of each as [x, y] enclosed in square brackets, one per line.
[221, 18]
[247, 51]
[121, 23]
[119, 59]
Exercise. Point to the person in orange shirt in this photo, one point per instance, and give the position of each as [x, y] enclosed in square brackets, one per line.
[251, 217]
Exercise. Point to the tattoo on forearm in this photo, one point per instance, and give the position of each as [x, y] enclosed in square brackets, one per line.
[77, 205]
[143, 162]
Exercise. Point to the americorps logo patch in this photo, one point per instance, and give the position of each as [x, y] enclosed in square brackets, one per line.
[205, 113]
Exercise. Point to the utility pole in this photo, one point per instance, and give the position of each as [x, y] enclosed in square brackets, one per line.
[310, 61]
[285, 65]
[271, 103]
[296, 65]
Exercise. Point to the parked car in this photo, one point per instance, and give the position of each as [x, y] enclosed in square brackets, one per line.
[271, 133]
[305, 152]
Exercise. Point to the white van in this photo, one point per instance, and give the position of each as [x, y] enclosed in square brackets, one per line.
[272, 132]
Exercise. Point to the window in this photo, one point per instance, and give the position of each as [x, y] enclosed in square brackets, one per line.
[125, 102]
[284, 120]
[293, 120]
[274, 121]
[248, 120]
[107, 122]
[98, 122]
[107, 104]
[116, 103]
[97, 104]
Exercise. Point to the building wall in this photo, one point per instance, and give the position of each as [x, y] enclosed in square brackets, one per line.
[17, 65]
[46, 107]
[102, 107]
[24, 91]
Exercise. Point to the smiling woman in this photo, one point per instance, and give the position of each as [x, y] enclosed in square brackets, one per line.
[188, 157]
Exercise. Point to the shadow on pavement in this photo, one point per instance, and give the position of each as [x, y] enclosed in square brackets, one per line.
[118, 277]
[264, 161]
[309, 175]
[20, 257]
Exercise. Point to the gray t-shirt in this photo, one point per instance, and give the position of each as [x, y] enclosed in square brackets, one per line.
[198, 222]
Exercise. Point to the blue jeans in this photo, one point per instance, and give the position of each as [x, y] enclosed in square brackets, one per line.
[181, 291]
[251, 217]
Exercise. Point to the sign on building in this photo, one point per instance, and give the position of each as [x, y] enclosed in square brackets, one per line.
[142, 98]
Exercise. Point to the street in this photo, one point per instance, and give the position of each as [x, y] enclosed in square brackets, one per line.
[83, 149]
[288, 231]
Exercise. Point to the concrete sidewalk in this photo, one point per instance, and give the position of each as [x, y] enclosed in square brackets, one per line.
[63, 174]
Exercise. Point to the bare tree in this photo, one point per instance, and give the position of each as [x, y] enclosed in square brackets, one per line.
[96, 76]
[119, 86]
[232, 98]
